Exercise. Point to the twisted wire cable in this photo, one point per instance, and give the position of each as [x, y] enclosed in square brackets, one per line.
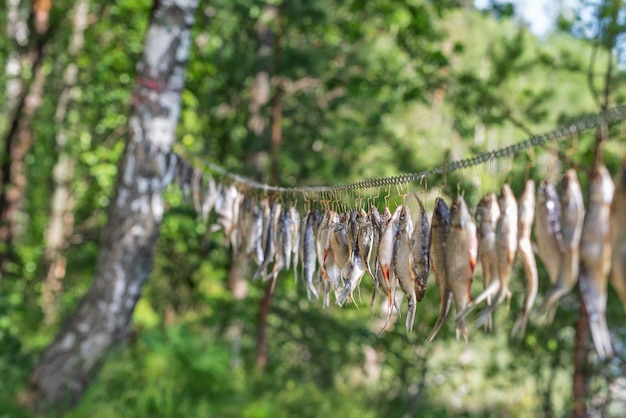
[608, 117]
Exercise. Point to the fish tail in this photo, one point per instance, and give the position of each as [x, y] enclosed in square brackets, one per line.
[550, 304]
[445, 302]
[461, 329]
[519, 328]
[310, 290]
[345, 293]
[601, 337]
[410, 315]
[326, 303]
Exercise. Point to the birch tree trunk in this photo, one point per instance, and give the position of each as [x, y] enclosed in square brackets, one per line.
[134, 216]
[61, 222]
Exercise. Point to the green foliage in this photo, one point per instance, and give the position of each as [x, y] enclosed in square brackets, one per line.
[371, 88]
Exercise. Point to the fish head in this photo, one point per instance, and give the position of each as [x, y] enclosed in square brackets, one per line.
[362, 218]
[385, 216]
[403, 216]
[441, 214]
[602, 187]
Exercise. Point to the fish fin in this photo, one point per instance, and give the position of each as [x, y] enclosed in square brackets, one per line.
[519, 328]
[444, 308]
[491, 290]
[461, 329]
[601, 337]
[310, 290]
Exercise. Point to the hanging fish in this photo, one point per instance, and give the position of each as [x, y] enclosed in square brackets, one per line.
[355, 269]
[548, 229]
[339, 241]
[461, 254]
[269, 249]
[227, 213]
[283, 244]
[308, 253]
[209, 200]
[487, 215]
[527, 256]
[618, 230]
[365, 238]
[245, 224]
[376, 221]
[420, 249]
[347, 239]
[322, 245]
[386, 253]
[506, 240]
[572, 215]
[403, 263]
[438, 236]
[294, 226]
[335, 246]
[595, 258]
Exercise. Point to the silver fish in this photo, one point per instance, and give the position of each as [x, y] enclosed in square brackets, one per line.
[548, 229]
[461, 254]
[386, 254]
[420, 251]
[269, 235]
[438, 236]
[335, 246]
[572, 215]
[527, 256]
[506, 240]
[403, 263]
[595, 258]
[618, 229]
[283, 244]
[353, 272]
[339, 241]
[308, 254]
[355, 269]
[294, 226]
[376, 221]
[487, 215]
[209, 199]
[365, 238]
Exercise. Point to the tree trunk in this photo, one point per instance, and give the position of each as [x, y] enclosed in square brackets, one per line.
[134, 216]
[61, 222]
[24, 98]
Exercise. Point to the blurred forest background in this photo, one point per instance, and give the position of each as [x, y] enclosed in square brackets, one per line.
[365, 89]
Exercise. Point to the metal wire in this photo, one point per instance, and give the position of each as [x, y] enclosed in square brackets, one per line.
[608, 117]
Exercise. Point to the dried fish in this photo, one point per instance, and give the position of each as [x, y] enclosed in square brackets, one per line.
[548, 230]
[487, 215]
[365, 238]
[420, 251]
[618, 230]
[438, 236]
[270, 226]
[461, 254]
[283, 242]
[376, 221]
[386, 254]
[294, 226]
[209, 200]
[403, 263]
[572, 215]
[307, 252]
[595, 258]
[506, 240]
[527, 256]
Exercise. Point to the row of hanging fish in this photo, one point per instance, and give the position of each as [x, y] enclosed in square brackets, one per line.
[336, 250]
